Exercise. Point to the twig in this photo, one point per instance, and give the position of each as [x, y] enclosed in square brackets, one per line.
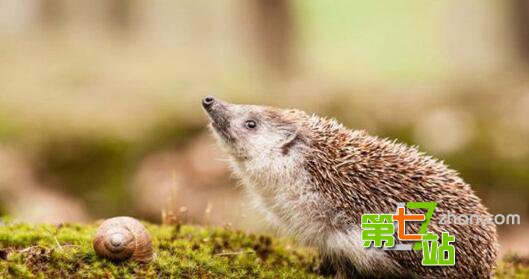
[28, 248]
[57, 242]
[231, 253]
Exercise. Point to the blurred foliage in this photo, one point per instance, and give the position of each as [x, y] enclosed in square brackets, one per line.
[104, 165]
[84, 102]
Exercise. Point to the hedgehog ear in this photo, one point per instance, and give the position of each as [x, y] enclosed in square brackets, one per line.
[293, 136]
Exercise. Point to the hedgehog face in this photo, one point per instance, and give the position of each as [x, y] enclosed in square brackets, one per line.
[250, 133]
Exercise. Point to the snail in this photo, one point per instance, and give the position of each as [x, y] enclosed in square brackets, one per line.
[123, 238]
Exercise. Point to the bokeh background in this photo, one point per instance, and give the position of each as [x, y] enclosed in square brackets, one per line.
[100, 100]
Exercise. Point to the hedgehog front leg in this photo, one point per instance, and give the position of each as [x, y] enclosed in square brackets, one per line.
[351, 260]
[345, 269]
[325, 267]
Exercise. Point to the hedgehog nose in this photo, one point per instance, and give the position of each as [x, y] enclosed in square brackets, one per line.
[208, 101]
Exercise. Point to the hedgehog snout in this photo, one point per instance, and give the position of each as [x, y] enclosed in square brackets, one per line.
[207, 102]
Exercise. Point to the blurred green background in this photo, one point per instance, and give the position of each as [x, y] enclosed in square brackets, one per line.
[100, 100]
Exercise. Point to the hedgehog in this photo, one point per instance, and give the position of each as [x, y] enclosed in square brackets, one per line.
[312, 179]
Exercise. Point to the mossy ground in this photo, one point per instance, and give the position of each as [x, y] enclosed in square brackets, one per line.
[50, 251]
[182, 252]
[513, 266]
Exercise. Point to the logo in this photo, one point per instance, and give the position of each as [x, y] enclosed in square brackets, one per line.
[378, 231]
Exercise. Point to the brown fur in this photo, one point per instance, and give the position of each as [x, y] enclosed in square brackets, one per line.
[360, 174]
[315, 178]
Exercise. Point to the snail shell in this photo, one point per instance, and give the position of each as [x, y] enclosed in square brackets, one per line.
[121, 238]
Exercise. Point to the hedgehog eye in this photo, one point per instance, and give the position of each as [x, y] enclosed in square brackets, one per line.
[250, 124]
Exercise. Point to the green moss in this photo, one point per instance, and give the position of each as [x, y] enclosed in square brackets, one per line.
[49, 251]
[513, 267]
[29, 251]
